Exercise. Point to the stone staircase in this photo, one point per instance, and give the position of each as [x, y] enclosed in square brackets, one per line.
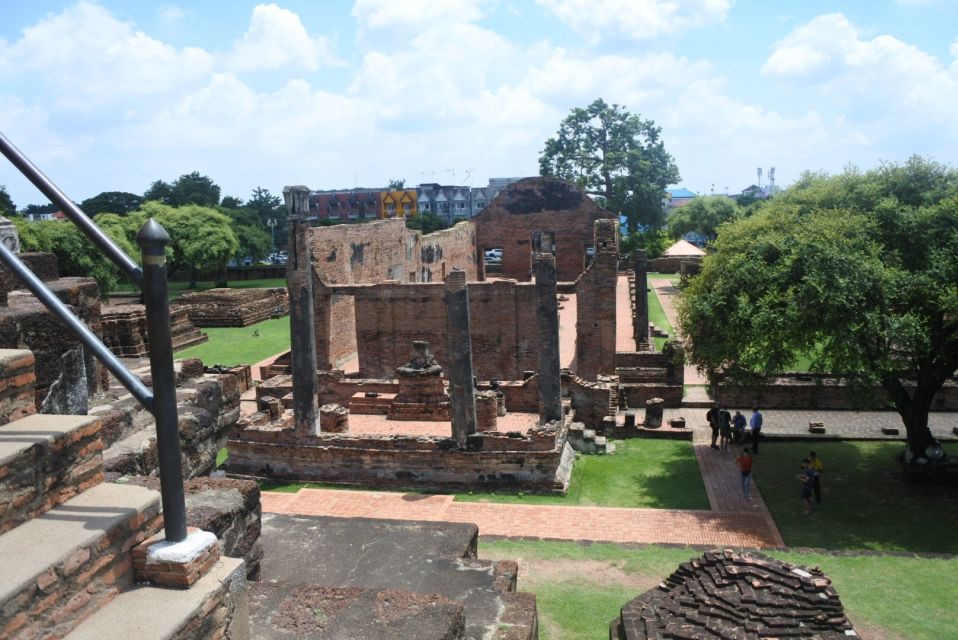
[587, 440]
[66, 537]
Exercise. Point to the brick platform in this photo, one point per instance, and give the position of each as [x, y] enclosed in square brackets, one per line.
[233, 307]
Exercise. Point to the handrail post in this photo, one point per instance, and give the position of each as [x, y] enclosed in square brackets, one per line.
[153, 239]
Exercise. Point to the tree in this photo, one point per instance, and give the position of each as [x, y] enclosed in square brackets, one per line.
[35, 209]
[119, 202]
[76, 256]
[615, 156]
[230, 202]
[201, 239]
[653, 242]
[7, 208]
[254, 240]
[704, 215]
[395, 183]
[189, 188]
[859, 271]
[426, 222]
[267, 206]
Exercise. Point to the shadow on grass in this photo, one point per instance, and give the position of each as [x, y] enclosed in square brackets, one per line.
[867, 501]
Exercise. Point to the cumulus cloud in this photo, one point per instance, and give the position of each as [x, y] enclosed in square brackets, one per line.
[277, 39]
[637, 19]
[383, 14]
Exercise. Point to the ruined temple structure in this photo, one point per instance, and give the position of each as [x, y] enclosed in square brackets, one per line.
[124, 330]
[728, 595]
[233, 307]
[422, 392]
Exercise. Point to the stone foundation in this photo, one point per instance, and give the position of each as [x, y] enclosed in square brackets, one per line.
[333, 418]
[233, 307]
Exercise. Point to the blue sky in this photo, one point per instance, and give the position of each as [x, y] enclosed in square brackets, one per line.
[114, 95]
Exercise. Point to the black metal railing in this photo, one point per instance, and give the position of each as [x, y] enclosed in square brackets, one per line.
[151, 279]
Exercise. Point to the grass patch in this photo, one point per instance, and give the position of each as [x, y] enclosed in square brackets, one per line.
[221, 456]
[241, 345]
[581, 588]
[642, 473]
[867, 503]
[176, 289]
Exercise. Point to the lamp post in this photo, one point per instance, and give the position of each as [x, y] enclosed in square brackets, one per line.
[271, 223]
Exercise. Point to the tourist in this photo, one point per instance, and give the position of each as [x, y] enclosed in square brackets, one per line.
[755, 423]
[807, 477]
[744, 463]
[817, 467]
[738, 427]
[725, 430]
[713, 418]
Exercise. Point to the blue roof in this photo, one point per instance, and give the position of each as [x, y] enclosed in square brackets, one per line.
[680, 192]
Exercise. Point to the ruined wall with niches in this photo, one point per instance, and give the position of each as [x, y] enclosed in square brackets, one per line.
[595, 303]
[555, 209]
[390, 316]
[386, 250]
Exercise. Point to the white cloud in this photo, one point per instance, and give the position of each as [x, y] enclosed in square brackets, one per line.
[277, 39]
[384, 14]
[171, 15]
[638, 19]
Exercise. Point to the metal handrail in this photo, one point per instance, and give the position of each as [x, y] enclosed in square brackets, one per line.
[152, 279]
[72, 211]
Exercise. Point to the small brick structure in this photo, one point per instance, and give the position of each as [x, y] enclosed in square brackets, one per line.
[153, 562]
[422, 394]
[653, 413]
[730, 595]
[333, 418]
[487, 410]
[124, 330]
[233, 307]
[17, 380]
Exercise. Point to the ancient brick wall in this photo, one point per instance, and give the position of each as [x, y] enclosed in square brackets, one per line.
[802, 391]
[671, 264]
[389, 317]
[17, 380]
[555, 209]
[591, 401]
[233, 307]
[595, 303]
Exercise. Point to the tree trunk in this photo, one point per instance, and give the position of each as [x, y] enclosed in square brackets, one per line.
[921, 446]
[194, 274]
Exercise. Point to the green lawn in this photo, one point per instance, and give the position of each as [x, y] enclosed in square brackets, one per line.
[661, 474]
[177, 289]
[580, 588]
[659, 319]
[241, 345]
[867, 503]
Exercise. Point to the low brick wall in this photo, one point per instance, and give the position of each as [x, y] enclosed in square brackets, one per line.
[537, 460]
[17, 380]
[233, 307]
[636, 394]
[804, 391]
[591, 401]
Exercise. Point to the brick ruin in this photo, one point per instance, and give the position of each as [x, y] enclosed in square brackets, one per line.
[726, 595]
[540, 215]
[232, 307]
[124, 330]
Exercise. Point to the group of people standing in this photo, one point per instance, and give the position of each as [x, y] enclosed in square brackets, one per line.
[728, 429]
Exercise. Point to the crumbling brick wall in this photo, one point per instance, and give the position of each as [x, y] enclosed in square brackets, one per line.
[549, 206]
[595, 303]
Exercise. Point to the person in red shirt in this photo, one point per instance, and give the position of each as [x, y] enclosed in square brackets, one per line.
[744, 463]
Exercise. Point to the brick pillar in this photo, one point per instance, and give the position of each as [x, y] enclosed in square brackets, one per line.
[547, 314]
[641, 319]
[595, 302]
[302, 330]
[459, 357]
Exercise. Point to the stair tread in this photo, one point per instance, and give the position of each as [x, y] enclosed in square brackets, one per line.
[54, 536]
[37, 429]
[146, 612]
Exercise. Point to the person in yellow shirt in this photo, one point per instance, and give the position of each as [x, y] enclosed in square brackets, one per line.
[818, 467]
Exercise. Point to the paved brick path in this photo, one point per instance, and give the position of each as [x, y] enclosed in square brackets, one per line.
[624, 338]
[667, 293]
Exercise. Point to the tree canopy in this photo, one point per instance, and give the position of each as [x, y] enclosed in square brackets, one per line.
[704, 215]
[7, 208]
[189, 188]
[857, 271]
[118, 202]
[615, 156]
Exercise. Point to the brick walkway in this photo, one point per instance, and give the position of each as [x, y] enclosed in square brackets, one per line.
[624, 337]
[667, 293]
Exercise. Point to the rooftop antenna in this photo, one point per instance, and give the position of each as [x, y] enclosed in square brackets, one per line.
[423, 174]
[469, 174]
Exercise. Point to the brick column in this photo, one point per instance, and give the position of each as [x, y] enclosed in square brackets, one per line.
[459, 356]
[641, 319]
[547, 314]
[302, 329]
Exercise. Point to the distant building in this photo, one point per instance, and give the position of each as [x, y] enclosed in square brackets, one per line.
[676, 197]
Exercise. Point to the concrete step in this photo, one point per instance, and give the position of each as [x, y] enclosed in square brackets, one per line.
[44, 461]
[213, 607]
[64, 564]
[610, 448]
[588, 434]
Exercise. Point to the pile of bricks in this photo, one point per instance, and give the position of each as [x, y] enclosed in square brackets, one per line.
[736, 595]
[233, 307]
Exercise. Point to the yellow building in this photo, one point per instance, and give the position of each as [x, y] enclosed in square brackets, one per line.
[397, 203]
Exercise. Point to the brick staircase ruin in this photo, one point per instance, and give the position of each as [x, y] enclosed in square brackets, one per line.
[67, 536]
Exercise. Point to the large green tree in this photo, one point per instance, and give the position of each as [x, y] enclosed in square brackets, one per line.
[616, 157]
[189, 188]
[704, 215]
[858, 271]
[269, 207]
[118, 202]
[7, 208]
